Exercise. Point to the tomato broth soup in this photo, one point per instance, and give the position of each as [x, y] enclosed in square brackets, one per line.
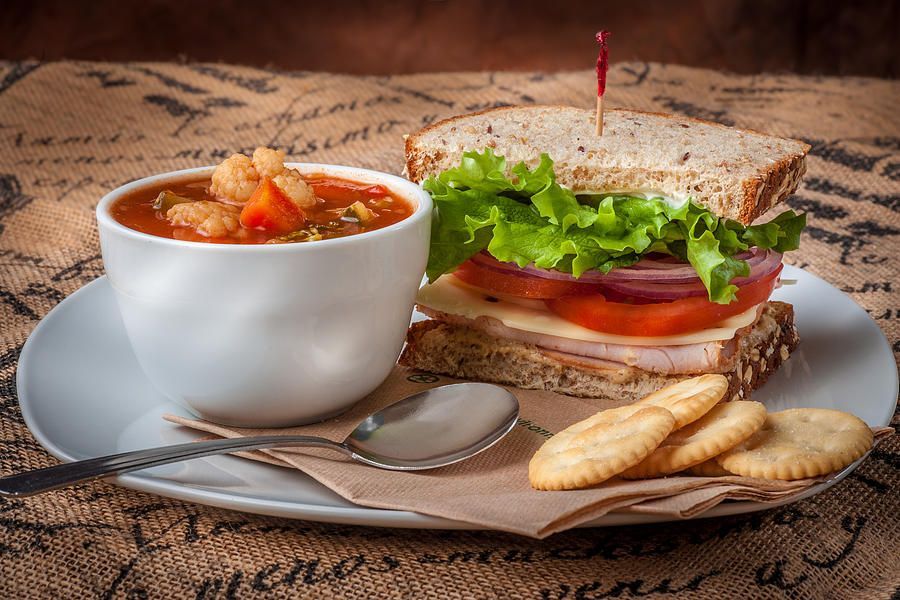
[187, 211]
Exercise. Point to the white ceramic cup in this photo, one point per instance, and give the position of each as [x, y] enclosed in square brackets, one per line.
[268, 335]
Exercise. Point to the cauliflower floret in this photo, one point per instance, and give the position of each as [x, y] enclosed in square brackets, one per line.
[291, 183]
[212, 219]
[268, 162]
[234, 179]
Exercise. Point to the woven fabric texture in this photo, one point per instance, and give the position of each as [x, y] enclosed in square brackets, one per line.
[69, 132]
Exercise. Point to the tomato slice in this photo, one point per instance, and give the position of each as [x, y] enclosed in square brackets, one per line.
[502, 281]
[270, 210]
[661, 318]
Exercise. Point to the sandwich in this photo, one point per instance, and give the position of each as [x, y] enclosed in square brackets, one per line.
[603, 266]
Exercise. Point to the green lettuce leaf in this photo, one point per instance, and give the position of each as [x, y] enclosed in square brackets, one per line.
[530, 219]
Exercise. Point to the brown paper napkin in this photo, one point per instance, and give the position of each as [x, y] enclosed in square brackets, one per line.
[491, 489]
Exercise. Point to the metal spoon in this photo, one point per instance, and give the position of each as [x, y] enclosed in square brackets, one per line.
[430, 429]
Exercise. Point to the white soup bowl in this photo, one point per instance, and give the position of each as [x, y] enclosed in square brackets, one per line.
[268, 335]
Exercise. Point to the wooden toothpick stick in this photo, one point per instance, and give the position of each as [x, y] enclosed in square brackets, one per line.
[599, 115]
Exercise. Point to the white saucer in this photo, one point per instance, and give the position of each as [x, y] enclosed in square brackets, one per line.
[82, 395]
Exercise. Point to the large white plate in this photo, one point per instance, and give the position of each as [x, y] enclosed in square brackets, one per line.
[83, 394]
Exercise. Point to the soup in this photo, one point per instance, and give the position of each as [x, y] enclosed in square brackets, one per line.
[260, 200]
[341, 208]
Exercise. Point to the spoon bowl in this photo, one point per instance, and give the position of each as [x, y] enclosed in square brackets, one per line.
[436, 427]
[430, 429]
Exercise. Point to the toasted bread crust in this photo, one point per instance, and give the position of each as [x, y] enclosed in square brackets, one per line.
[466, 353]
[776, 184]
[753, 193]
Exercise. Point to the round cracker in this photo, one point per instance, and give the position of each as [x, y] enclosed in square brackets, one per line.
[722, 428]
[709, 468]
[800, 443]
[602, 446]
[690, 399]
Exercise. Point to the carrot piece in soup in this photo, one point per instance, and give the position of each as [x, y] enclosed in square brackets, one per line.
[271, 210]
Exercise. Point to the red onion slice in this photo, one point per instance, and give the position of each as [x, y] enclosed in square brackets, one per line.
[650, 282]
[660, 292]
[656, 272]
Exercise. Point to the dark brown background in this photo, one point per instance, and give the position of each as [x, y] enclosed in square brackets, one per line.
[404, 36]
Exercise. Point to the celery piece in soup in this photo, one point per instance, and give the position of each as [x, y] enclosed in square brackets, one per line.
[304, 235]
[359, 212]
[167, 200]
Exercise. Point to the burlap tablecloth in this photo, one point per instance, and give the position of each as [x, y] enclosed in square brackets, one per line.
[70, 132]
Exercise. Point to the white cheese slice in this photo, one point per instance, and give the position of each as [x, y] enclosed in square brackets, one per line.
[450, 295]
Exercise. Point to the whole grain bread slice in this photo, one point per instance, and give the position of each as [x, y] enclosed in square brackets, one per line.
[735, 173]
[467, 353]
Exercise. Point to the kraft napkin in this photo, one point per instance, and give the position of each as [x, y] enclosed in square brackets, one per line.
[491, 490]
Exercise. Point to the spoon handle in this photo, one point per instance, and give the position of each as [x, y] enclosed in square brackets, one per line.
[43, 480]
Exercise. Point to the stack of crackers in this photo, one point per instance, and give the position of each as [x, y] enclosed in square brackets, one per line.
[683, 428]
